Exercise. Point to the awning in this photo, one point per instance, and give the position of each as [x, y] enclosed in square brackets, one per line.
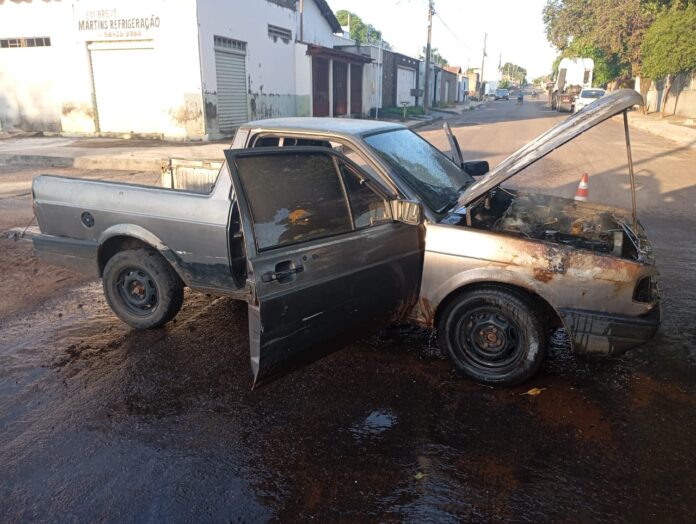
[336, 54]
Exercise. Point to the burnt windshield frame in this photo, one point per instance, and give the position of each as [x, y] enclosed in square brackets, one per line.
[407, 177]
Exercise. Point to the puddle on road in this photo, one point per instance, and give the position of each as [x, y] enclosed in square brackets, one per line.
[374, 425]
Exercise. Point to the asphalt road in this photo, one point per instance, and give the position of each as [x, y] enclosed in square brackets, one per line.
[99, 422]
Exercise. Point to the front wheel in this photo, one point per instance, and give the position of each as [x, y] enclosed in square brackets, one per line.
[142, 289]
[493, 336]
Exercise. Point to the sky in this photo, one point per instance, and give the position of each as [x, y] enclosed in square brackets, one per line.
[515, 30]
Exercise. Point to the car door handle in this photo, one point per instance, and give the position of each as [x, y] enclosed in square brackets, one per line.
[282, 274]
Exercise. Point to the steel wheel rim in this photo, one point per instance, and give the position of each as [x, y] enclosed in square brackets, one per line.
[489, 339]
[137, 290]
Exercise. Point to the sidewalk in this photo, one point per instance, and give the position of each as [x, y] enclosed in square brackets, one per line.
[668, 128]
[120, 154]
[103, 153]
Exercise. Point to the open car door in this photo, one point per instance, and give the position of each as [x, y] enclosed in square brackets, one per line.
[329, 256]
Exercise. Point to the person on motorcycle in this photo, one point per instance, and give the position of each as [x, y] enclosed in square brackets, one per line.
[520, 98]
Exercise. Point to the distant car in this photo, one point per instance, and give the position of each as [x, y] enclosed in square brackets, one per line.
[587, 96]
[502, 94]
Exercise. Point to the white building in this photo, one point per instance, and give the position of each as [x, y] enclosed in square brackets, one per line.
[175, 69]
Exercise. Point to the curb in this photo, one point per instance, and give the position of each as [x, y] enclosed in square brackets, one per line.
[36, 161]
[424, 123]
[684, 138]
[89, 162]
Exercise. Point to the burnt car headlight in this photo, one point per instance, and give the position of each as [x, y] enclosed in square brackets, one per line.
[646, 290]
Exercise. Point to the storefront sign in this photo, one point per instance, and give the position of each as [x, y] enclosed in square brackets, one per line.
[116, 23]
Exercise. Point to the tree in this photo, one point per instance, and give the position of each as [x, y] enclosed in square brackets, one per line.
[513, 72]
[669, 47]
[606, 67]
[435, 56]
[361, 32]
[612, 30]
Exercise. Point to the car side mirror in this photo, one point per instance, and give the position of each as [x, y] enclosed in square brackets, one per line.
[476, 167]
[407, 211]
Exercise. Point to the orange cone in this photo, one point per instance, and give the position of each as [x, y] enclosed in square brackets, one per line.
[583, 188]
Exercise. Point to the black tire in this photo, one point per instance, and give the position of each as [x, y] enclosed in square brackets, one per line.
[142, 289]
[493, 336]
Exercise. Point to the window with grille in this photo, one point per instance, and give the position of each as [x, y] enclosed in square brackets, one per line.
[229, 43]
[33, 41]
[276, 32]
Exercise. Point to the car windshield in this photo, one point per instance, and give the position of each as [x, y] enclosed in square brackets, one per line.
[433, 176]
[593, 93]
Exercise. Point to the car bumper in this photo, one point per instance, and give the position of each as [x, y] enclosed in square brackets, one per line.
[601, 334]
[78, 255]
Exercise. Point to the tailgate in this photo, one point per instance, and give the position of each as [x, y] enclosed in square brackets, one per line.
[197, 176]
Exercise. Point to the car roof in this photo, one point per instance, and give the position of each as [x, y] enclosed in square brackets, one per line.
[340, 126]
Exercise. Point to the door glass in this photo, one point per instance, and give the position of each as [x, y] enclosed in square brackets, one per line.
[368, 207]
[293, 198]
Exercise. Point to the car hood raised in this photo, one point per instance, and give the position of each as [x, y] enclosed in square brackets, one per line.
[576, 124]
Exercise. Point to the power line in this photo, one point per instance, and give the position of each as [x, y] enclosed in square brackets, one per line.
[452, 32]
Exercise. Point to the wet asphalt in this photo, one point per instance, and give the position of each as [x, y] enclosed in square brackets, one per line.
[99, 422]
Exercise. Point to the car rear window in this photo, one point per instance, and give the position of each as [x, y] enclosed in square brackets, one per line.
[593, 93]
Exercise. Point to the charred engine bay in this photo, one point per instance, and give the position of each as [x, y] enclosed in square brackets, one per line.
[558, 220]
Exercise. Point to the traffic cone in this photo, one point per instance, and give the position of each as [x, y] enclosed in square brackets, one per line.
[583, 188]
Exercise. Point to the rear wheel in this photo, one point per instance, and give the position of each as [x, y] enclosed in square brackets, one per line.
[142, 289]
[493, 336]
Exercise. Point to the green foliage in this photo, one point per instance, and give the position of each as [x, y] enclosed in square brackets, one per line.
[513, 72]
[435, 56]
[504, 84]
[670, 43]
[613, 30]
[606, 67]
[361, 32]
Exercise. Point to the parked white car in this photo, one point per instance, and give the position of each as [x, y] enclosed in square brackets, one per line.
[587, 96]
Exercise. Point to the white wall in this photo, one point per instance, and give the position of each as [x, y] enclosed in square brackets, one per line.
[278, 72]
[35, 81]
[316, 29]
[51, 88]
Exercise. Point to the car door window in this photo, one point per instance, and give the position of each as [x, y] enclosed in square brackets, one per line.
[293, 198]
[367, 206]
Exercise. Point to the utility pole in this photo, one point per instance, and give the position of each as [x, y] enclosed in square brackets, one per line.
[483, 61]
[431, 9]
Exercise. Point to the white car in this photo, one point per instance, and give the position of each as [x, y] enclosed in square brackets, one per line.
[587, 96]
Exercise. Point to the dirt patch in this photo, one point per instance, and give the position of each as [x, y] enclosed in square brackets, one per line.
[28, 282]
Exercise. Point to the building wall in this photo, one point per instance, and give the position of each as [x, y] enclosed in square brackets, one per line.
[278, 71]
[372, 76]
[448, 87]
[51, 89]
[473, 82]
[682, 97]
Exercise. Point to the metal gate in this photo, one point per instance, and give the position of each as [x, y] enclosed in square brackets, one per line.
[405, 82]
[320, 86]
[356, 81]
[230, 72]
[125, 80]
[340, 88]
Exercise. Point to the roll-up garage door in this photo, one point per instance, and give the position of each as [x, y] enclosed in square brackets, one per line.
[231, 89]
[405, 81]
[126, 83]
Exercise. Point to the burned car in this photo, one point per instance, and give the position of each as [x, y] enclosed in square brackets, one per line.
[330, 228]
